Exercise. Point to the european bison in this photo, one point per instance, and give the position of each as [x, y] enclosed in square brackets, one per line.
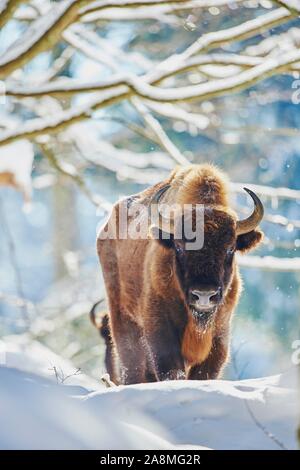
[170, 308]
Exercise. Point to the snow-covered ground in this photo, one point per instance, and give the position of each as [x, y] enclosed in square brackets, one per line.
[36, 412]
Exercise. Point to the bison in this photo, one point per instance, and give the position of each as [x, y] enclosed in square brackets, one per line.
[170, 308]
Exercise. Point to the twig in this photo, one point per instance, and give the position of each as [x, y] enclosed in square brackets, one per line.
[71, 173]
[159, 132]
[61, 377]
[263, 428]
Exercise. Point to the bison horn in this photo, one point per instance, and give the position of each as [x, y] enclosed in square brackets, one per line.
[166, 225]
[245, 226]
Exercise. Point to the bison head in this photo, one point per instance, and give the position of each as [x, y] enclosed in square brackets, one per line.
[205, 274]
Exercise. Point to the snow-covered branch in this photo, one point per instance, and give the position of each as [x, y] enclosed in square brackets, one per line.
[217, 87]
[69, 87]
[7, 10]
[268, 191]
[171, 111]
[161, 11]
[237, 33]
[220, 38]
[90, 51]
[71, 172]
[291, 5]
[285, 41]
[104, 4]
[40, 126]
[46, 30]
[66, 87]
[159, 132]
[121, 87]
[41, 35]
[269, 263]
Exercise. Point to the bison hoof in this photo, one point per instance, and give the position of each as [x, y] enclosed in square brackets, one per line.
[105, 379]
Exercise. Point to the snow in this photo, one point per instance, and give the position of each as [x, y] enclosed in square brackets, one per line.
[164, 415]
[16, 159]
[28, 355]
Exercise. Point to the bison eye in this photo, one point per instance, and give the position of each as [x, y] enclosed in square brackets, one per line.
[179, 250]
[229, 255]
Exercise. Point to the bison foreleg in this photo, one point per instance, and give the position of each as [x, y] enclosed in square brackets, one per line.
[212, 366]
[166, 354]
[130, 342]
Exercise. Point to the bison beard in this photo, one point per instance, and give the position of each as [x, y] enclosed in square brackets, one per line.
[170, 308]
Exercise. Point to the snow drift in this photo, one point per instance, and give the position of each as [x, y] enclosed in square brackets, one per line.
[38, 413]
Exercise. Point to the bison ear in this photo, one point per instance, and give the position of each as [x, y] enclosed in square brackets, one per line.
[249, 240]
[165, 239]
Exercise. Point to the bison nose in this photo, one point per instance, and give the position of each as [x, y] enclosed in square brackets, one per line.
[204, 297]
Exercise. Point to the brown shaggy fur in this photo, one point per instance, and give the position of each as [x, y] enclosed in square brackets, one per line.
[152, 334]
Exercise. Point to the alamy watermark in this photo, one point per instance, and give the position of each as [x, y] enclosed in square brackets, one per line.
[3, 355]
[295, 358]
[2, 92]
[137, 222]
[296, 93]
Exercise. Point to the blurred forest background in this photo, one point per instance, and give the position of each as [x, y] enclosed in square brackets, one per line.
[99, 99]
